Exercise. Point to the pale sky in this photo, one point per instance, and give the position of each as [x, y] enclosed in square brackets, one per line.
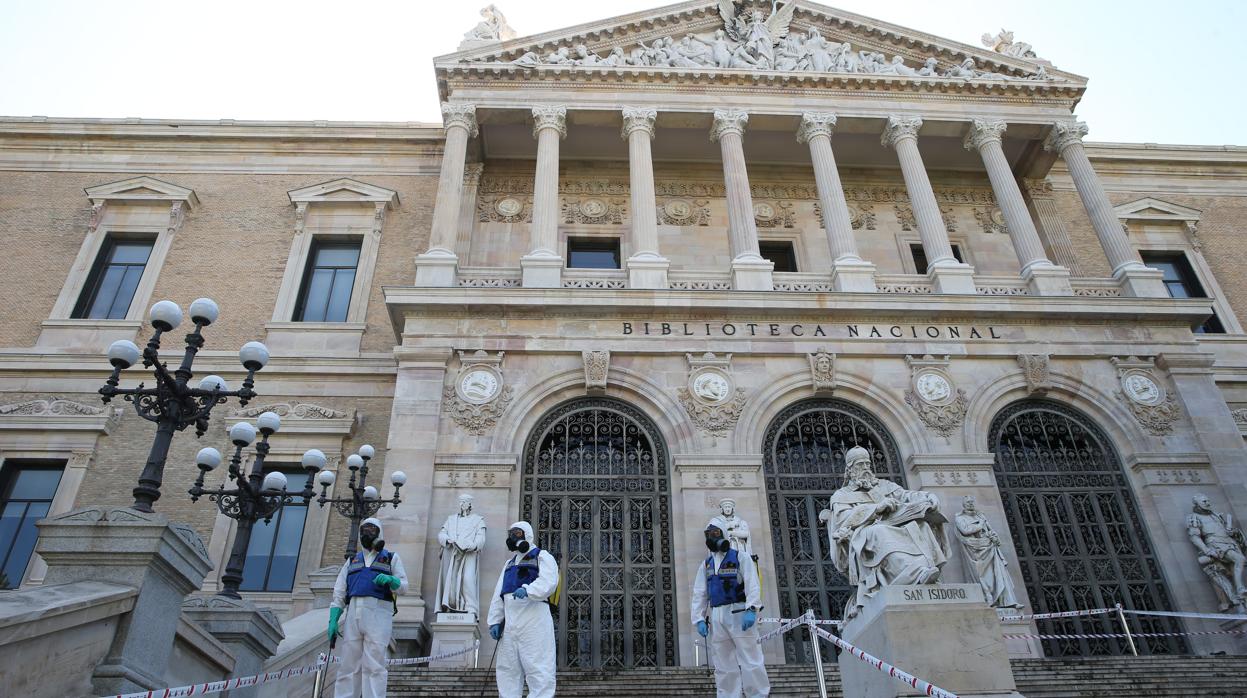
[1161, 71]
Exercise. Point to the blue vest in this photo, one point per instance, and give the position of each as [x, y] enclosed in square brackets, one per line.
[727, 586]
[359, 577]
[517, 574]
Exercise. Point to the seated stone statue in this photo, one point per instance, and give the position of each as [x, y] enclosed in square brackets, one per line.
[1222, 552]
[882, 533]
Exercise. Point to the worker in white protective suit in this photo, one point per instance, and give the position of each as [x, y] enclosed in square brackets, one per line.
[365, 589]
[726, 601]
[520, 617]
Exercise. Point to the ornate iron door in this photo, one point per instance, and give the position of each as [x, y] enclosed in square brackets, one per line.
[595, 475]
[1076, 528]
[804, 464]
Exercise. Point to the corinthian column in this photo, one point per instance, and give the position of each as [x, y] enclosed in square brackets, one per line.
[542, 266]
[947, 274]
[437, 266]
[848, 271]
[750, 272]
[647, 268]
[1042, 276]
[1128, 268]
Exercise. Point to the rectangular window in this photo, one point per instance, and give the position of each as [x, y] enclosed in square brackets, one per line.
[593, 253]
[920, 256]
[26, 491]
[110, 285]
[780, 253]
[1181, 281]
[328, 282]
[273, 554]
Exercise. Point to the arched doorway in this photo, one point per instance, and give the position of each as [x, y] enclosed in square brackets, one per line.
[596, 487]
[1076, 527]
[803, 464]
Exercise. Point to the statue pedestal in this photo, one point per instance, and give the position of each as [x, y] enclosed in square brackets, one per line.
[943, 633]
[451, 632]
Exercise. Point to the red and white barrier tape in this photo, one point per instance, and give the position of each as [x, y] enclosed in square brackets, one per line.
[926, 687]
[788, 624]
[1184, 614]
[1109, 636]
[1059, 614]
[201, 689]
[785, 620]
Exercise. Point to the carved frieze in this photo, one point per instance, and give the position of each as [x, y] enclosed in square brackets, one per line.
[932, 394]
[861, 215]
[51, 407]
[502, 208]
[295, 410]
[1036, 371]
[991, 219]
[905, 216]
[595, 210]
[684, 212]
[777, 214]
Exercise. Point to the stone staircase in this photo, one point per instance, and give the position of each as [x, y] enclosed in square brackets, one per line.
[1096, 677]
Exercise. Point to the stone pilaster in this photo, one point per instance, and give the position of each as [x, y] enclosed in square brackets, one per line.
[543, 266]
[750, 272]
[437, 266]
[1136, 279]
[1051, 226]
[849, 272]
[947, 274]
[1042, 276]
[647, 268]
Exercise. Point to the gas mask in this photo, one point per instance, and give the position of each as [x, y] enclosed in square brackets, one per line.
[516, 542]
[368, 538]
[715, 540]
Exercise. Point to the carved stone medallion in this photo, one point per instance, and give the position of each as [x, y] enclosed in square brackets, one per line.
[1152, 406]
[509, 207]
[711, 399]
[479, 394]
[941, 405]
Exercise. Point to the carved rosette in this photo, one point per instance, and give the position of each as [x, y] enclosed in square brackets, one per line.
[822, 371]
[982, 132]
[1144, 393]
[460, 116]
[1036, 371]
[815, 124]
[638, 119]
[728, 121]
[939, 403]
[898, 128]
[1064, 134]
[597, 363]
[554, 117]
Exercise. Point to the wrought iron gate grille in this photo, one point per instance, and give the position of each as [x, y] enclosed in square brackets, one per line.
[1076, 528]
[803, 463]
[595, 476]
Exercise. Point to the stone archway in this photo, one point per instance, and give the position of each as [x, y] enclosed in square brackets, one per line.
[803, 464]
[1076, 527]
[596, 486]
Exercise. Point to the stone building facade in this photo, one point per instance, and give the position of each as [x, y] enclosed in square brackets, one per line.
[607, 293]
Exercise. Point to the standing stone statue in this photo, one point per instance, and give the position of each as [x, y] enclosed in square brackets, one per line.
[1222, 552]
[735, 528]
[882, 533]
[982, 549]
[461, 538]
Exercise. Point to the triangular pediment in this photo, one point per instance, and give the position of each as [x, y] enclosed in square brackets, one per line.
[707, 38]
[345, 190]
[141, 189]
[1149, 209]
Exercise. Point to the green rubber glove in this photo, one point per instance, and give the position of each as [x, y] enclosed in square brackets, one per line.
[334, 615]
[387, 580]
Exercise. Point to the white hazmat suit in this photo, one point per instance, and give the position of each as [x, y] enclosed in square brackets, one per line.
[368, 625]
[527, 650]
[738, 664]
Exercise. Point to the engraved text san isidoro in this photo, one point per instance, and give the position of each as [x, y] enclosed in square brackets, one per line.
[808, 329]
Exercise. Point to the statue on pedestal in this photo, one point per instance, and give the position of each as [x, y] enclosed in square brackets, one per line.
[981, 546]
[882, 533]
[734, 528]
[461, 538]
[1222, 552]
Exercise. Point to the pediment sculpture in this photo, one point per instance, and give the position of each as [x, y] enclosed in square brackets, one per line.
[750, 40]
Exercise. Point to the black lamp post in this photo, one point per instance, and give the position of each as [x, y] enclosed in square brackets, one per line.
[172, 404]
[363, 500]
[258, 495]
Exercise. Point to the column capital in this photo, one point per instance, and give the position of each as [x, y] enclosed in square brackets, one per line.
[462, 115]
[815, 124]
[554, 117]
[1064, 134]
[728, 121]
[900, 127]
[984, 131]
[638, 119]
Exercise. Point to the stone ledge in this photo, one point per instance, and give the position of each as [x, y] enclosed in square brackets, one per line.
[29, 613]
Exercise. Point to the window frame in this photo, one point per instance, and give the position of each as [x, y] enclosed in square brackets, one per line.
[287, 469]
[1188, 278]
[319, 243]
[9, 468]
[90, 287]
[614, 242]
[914, 248]
[793, 254]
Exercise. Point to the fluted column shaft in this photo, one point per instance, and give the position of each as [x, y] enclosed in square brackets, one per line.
[728, 130]
[460, 121]
[985, 137]
[1066, 139]
[902, 134]
[550, 127]
[816, 131]
[638, 130]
